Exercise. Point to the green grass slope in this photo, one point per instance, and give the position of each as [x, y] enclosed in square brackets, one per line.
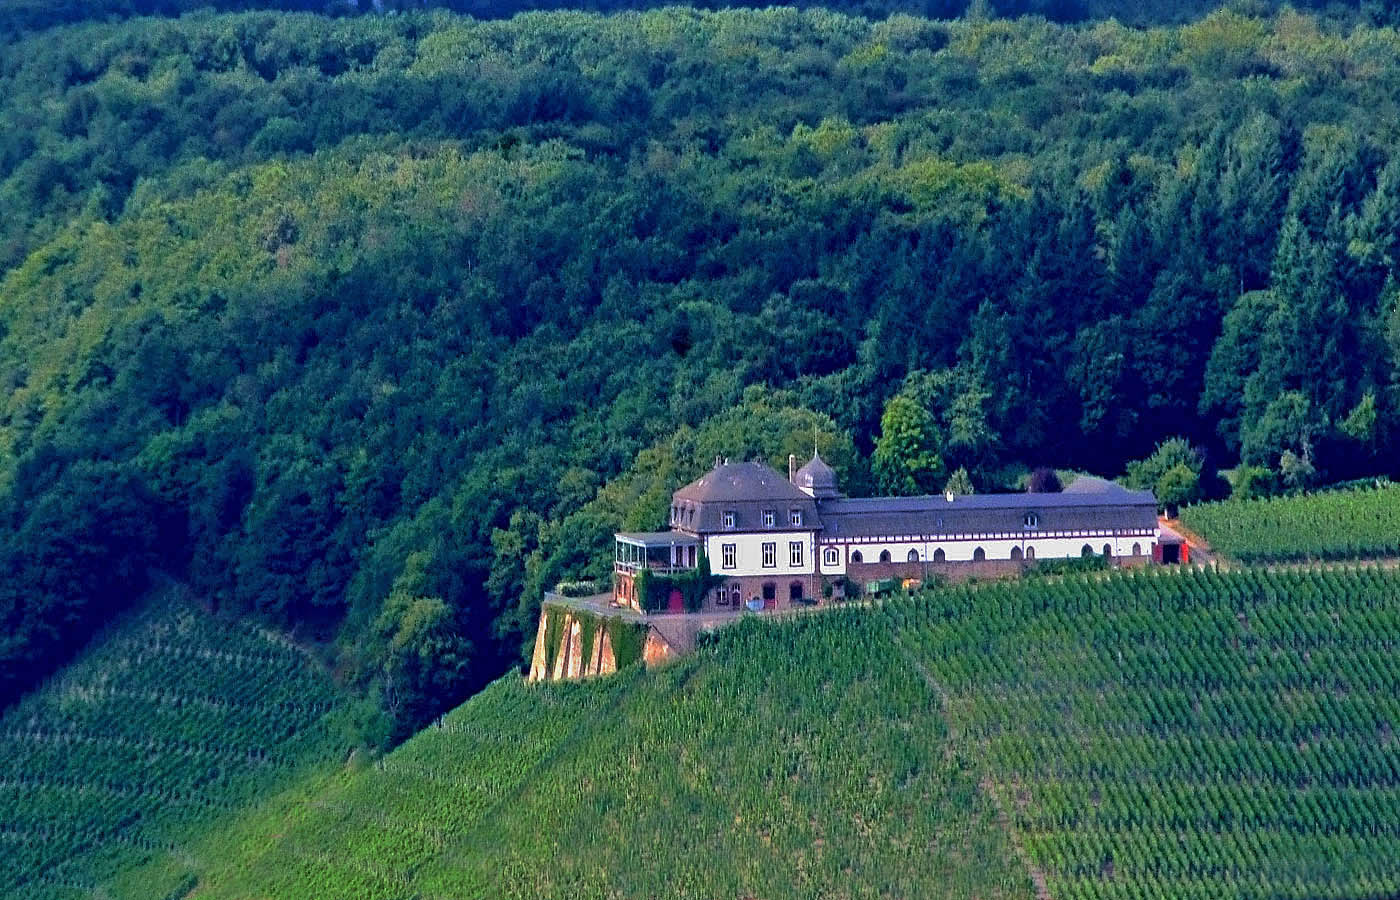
[1153, 735]
[171, 722]
[1339, 524]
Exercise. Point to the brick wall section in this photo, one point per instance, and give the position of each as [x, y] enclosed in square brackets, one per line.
[574, 665]
[752, 586]
[569, 661]
[607, 662]
[561, 658]
[537, 659]
[656, 651]
[864, 573]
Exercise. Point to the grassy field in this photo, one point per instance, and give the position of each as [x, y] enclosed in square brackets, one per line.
[171, 724]
[1150, 735]
[1343, 524]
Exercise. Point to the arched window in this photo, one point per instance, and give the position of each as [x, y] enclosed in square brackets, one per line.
[939, 555]
[830, 556]
[913, 556]
[1137, 549]
[979, 555]
[1016, 553]
[1030, 553]
[884, 556]
[1086, 550]
[856, 557]
[735, 596]
[1107, 549]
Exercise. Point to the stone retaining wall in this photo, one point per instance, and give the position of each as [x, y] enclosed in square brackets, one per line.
[570, 658]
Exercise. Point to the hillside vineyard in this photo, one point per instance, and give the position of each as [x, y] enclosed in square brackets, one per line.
[172, 723]
[1328, 525]
[1156, 734]
[1197, 736]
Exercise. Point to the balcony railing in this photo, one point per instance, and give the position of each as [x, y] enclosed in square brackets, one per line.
[662, 568]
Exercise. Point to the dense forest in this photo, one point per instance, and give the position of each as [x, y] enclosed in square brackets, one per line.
[30, 15]
[375, 326]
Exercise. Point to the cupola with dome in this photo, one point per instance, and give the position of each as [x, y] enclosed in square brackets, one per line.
[817, 479]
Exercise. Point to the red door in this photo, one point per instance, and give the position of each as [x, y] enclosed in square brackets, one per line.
[675, 602]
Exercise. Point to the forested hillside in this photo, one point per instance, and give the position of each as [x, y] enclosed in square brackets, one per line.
[373, 327]
[28, 15]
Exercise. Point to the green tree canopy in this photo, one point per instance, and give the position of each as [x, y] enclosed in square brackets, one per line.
[906, 458]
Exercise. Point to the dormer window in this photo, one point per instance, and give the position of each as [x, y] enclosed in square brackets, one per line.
[1031, 520]
[770, 518]
[795, 517]
[729, 518]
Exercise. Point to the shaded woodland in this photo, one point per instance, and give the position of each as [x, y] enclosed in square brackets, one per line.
[376, 326]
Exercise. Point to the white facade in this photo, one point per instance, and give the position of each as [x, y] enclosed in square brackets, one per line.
[963, 548]
[748, 552]
[832, 558]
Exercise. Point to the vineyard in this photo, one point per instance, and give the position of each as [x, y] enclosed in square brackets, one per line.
[1350, 524]
[1200, 735]
[173, 722]
[1160, 734]
[783, 761]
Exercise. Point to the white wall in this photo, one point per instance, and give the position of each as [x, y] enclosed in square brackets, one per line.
[840, 567]
[748, 548]
[962, 550]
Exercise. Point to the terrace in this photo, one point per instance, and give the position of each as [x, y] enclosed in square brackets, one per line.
[662, 552]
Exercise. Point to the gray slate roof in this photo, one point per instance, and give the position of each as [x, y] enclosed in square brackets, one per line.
[1092, 484]
[746, 489]
[818, 476]
[1116, 510]
[655, 538]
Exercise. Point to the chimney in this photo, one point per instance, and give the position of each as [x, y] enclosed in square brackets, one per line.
[792, 467]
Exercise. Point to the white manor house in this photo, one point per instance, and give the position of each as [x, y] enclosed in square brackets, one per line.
[774, 542]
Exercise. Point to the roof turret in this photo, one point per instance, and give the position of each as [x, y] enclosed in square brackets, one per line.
[817, 479]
